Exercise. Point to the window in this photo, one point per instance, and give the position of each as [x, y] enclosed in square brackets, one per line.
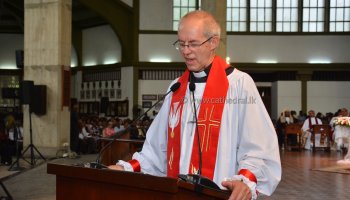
[181, 8]
[287, 16]
[313, 16]
[339, 18]
[260, 15]
[236, 15]
[277, 15]
[12, 83]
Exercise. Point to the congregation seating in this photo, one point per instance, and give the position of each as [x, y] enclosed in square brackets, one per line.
[293, 130]
[325, 132]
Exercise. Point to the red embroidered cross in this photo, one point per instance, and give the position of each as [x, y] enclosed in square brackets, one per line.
[202, 125]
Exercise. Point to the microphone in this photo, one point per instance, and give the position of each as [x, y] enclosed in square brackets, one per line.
[97, 164]
[198, 180]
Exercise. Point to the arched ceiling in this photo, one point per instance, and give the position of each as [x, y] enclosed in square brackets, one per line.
[12, 16]
[85, 14]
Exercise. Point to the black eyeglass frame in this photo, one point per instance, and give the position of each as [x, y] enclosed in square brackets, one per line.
[179, 46]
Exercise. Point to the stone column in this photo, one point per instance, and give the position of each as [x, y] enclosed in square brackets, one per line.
[304, 76]
[218, 9]
[47, 47]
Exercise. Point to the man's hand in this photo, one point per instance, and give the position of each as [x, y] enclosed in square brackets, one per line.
[116, 167]
[240, 191]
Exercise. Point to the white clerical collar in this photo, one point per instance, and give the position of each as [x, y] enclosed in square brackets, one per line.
[287, 120]
[199, 74]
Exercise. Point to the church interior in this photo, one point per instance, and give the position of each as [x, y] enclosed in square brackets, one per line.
[106, 65]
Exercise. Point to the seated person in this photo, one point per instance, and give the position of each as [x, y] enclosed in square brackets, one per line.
[87, 143]
[117, 125]
[15, 134]
[285, 119]
[109, 131]
[307, 129]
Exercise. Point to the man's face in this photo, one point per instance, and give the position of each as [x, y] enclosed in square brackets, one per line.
[196, 58]
[287, 114]
[311, 114]
[344, 113]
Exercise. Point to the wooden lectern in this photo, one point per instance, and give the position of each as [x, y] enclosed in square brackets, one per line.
[76, 182]
[121, 149]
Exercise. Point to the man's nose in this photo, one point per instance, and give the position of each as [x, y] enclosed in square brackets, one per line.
[186, 49]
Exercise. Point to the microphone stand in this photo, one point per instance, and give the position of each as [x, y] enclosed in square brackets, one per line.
[192, 88]
[16, 135]
[97, 164]
[173, 88]
[198, 180]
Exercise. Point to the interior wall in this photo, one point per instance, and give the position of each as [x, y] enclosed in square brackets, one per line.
[128, 2]
[152, 87]
[156, 15]
[328, 96]
[74, 58]
[76, 81]
[100, 46]
[127, 77]
[12, 42]
[288, 48]
[253, 48]
[158, 46]
[285, 95]
[9, 44]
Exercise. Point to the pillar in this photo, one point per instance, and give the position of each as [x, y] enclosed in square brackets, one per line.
[304, 76]
[47, 47]
[218, 9]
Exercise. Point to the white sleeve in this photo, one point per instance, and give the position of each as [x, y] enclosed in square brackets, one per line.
[331, 123]
[85, 133]
[11, 134]
[305, 125]
[153, 157]
[258, 149]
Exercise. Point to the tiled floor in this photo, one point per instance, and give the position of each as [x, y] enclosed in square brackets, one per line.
[298, 180]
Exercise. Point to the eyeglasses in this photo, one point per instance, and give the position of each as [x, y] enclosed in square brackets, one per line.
[181, 45]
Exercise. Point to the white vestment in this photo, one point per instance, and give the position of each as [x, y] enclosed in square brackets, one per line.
[307, 134]
[247, 137]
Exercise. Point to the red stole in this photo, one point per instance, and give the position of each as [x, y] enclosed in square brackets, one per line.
[209, 120]
[310, 124]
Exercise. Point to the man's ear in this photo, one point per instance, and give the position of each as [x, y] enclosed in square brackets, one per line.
[215, 41]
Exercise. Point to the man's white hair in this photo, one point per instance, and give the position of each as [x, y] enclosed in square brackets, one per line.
[211, 26]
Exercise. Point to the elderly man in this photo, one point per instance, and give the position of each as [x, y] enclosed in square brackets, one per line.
[237, 141]
[307, 129]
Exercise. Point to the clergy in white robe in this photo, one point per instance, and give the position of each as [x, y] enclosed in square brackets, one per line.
[247, 137]
[307, 129]
[237, 139]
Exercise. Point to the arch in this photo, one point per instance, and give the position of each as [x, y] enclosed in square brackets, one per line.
[121, 18]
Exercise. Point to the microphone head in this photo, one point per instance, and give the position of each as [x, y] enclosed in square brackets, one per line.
[176, 86]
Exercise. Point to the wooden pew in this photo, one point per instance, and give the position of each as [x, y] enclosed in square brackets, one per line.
[293, 129]
[325, 131]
